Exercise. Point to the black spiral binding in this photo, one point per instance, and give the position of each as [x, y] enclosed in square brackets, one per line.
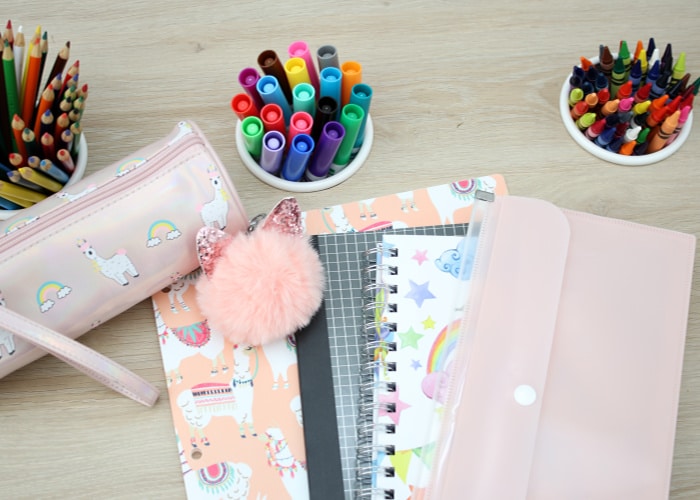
[367, 428]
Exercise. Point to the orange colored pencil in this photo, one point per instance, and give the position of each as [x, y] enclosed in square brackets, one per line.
[62, 123]
[47, 97]
[17, 129]
[28, 98]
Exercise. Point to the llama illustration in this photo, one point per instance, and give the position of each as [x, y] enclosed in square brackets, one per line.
[215, 211]
[177, 289]
[204, 401]
[295, 406]
[72, 197]
[281, 354]
[184, 129]
[7, 340]
[291, 471]
[115, 267]
[182, 342]
[339, 219]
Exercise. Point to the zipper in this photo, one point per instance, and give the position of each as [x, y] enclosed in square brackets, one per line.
[182, 140]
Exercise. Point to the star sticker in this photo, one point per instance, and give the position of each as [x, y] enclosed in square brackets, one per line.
[429, 323]
[415, 364]
[420, 256]
[410, 338]
[392, 398]
[419, 293]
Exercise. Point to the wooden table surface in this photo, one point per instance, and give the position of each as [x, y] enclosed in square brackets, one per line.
[461, 89]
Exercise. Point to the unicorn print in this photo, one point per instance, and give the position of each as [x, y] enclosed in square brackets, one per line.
[291, 471]
[184, 342]
[214, 212]
[281, 354]
[115, 267]
[7, 340]
[204, 401]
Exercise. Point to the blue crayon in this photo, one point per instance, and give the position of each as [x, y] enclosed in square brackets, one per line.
[298, 157]
[636, 75]
[605, 138]
[574, 82]
[614, 146]
[654, 72]
[601, 82]
[658, 88]
[331, 79]
[272, 151]
[328, 144]
[271, 93]
[361, 94]
[587, 87]
[579, 72]
[304, 98]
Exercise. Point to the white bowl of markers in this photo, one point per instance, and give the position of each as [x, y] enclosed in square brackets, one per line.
[301, 130]
[75, 171]
[583, 132]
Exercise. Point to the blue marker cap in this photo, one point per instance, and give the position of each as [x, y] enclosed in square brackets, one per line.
[361, 94]
[331, 84]
[298, 157]
[272, 151]
[271, 93]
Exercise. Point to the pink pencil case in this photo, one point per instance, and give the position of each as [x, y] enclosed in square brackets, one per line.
[81, 257]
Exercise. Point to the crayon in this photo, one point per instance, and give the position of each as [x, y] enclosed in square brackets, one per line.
[641, 107]
[301, 49]
[248, 79]
[603, 97]
[605, 137]
[653, 73]
[678, 69]
[350, 118]
[592, 74]
[640, 149]
[252, 131]
[614, 145]
[586, 63]
[273, 118]
[352, 74]
[271, 93]
[636, 75]
[596, 129]
[664, 132]
[627, 148]
[331, 85]
[601, 82]
[330, 139]
[637, 50]
[667, 59]
[621, 130]
[579, 110]
[618, 78]
[626, 58]
[651, 46]
[610, 107]
[242, 104]
[624, 109]
[297, 159]
[632, 133]
[586, 121]
[683, 117]
[304, 98]
[326, 111]
[591, 100]
[273, 147]
[658, 88]
[361, 94]
[656, 117]
[297, 72]
[679, 87]
[326, 56]
[271, 65]
[300, 123]
[644, 64]
[643, 93]
[607, 62]
[625, 90]
[612, 120]
[575, 96]
[673, 105]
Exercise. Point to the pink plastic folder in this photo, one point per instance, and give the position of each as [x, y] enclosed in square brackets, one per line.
[567, 376]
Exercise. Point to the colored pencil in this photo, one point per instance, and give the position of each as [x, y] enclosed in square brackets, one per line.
[28, 97]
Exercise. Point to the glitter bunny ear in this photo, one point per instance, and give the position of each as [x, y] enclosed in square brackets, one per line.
[210, 245]
[285, 217]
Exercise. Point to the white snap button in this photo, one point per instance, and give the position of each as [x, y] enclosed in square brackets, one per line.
[525, 395]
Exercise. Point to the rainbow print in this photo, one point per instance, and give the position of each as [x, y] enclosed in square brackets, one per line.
[42, 295]
[443, 348]
[19, 223]
[129, 165]
[160, 225]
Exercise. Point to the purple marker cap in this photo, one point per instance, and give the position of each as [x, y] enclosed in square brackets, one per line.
[272, 151]
[328, 144]
[248, 78]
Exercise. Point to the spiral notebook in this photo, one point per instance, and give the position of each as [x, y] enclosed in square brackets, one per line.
[415, 320]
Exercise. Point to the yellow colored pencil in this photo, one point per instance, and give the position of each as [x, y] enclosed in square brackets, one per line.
[40, 179]
[20, 192]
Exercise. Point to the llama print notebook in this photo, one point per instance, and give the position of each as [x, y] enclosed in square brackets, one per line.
[236, 409]
[419, 280]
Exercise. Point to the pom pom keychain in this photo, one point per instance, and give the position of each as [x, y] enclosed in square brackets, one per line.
[263, 284]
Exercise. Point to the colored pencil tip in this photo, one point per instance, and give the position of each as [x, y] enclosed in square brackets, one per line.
[9, 24]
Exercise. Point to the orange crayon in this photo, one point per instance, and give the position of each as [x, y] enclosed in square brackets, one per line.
[664, 132]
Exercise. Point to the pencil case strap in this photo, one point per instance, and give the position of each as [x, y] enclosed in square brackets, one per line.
[90, 362]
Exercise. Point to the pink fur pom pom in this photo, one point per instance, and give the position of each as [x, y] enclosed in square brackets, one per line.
[264, 286]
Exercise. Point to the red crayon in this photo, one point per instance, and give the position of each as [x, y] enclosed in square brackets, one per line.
[656, 117]
[603, 97]
[625, 90]
[688, 101]
[642, 93]
[596, 129]
[673, 105]
[579, 110]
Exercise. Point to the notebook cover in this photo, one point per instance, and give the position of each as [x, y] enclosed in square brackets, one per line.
[594, 336]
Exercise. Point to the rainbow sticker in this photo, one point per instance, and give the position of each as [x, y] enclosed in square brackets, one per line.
[19, 223]
[48, 289]
[129, 165]
[164, 227]
[443, 348]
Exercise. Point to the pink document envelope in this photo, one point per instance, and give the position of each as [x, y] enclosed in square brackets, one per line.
[569, 364]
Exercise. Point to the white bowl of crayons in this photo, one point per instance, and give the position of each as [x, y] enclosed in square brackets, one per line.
[41, 140]
[633, 106]
[301, 129]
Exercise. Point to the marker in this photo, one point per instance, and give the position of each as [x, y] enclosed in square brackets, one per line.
[327, 56]
[296, 71]
[248, 79]
[664, 132]
[242, 104]
[300, 123]
[328, 144]
[301, 49]
[331, 84]
[361, 94]
[273, 145]
[298, 157]
[326, 111]
[273, 118]
[252, 129]
[350, 118]
[271, 65]
[271, 93]
[304, 98]
[352, 74]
